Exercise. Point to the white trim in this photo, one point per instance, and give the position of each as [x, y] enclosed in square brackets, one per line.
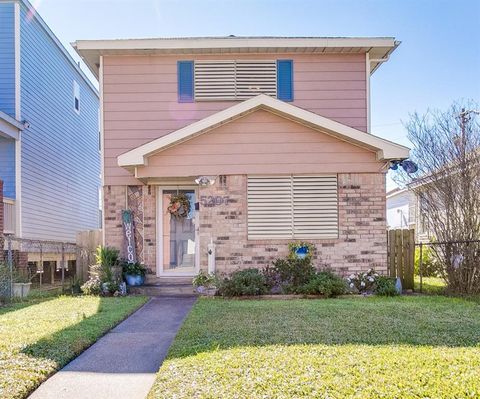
[9, 127]
[102, 143]
[395, 192]
[159, 234]
[234, 43]
[102, 159]
[18, 117]
[90, 50]
[367, 80]
[17, 61]
[385, 149]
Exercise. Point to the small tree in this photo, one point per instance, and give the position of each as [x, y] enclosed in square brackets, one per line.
[447, 185]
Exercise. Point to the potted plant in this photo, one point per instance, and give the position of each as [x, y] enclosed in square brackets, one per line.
[134, 273]
[301, 249]
[205, 284]
[21, 285]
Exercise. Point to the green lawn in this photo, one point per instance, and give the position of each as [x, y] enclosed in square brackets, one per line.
[39, 336]
[430, 285]
[405, 347]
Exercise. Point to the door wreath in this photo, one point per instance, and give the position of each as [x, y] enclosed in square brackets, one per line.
[179, 205]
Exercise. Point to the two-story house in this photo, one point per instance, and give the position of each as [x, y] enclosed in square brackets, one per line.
[49, 133]
[265, 139]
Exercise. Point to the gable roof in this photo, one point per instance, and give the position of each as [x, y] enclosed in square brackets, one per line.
[385, 149]
[378, 48]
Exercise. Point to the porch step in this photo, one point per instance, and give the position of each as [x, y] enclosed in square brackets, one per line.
[163, 289]
[168, 280]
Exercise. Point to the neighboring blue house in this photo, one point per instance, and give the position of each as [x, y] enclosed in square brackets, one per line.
[49, 131]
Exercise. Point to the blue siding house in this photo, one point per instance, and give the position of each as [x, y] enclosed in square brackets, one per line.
[49, 131]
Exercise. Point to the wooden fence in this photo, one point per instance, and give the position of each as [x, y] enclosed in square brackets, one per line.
[87, 243]
[401, 256]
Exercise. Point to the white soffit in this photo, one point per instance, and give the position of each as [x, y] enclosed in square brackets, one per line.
[378, 47]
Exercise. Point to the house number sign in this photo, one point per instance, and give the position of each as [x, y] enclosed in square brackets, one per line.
[129, 236]
[209, 201]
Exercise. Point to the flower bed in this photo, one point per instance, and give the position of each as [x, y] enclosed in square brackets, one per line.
[293, 275]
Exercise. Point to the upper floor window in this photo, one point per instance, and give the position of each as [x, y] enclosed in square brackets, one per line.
[234, 79]
[76, 97]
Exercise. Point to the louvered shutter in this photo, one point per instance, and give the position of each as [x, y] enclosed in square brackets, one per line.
[285, 80]
[292, 207]
[234, 80]
[315, 207]
[185, 81]
[255, 77]
[269, 201]
[214, 80]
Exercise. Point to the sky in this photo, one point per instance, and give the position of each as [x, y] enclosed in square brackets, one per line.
[437, 63]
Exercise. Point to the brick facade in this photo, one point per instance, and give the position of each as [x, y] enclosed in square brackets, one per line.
[143, 205]
[362, 226]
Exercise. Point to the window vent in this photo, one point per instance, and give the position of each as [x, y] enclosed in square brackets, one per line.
[234, 80]
[292, 207]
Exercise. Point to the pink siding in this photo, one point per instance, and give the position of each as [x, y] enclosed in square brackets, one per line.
[260, 142]
[140, 98]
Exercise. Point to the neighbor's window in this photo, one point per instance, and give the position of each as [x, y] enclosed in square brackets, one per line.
[76, 97]
[292, 207]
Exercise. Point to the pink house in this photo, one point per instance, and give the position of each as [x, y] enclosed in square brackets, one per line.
[266, 139]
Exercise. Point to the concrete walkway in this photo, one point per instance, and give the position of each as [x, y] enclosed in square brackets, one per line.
[124, 362]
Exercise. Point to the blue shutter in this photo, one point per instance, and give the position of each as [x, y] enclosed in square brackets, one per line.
[285, 80]
[185, 81]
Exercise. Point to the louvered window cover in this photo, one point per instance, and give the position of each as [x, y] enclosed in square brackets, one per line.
[234, 80]
[292, 207]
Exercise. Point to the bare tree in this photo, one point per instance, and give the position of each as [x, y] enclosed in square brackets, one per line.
[447, 185]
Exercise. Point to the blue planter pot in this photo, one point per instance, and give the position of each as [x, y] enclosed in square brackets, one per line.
[301, 253]
[134, 279]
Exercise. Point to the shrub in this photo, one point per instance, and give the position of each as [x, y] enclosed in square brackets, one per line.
[273, 281]
[362, 282]
[92, 287]
[106, 258]
[293, 273]
[385, 286]
[243, 282]
[203, 279]
[133, 269]
[105, 276]
[430, 265]
[324, 283]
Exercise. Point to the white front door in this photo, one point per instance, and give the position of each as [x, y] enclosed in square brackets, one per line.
[177, 240]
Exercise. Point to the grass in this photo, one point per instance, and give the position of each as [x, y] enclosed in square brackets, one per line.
[41, 335]
[430, 285]
[404, 347]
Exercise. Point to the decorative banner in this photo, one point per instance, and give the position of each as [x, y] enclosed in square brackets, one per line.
[129, 236]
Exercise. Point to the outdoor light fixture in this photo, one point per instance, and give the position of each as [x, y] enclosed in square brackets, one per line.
[205, 180]
[408, 166]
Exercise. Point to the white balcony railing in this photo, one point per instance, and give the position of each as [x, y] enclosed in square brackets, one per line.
[9, 216]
